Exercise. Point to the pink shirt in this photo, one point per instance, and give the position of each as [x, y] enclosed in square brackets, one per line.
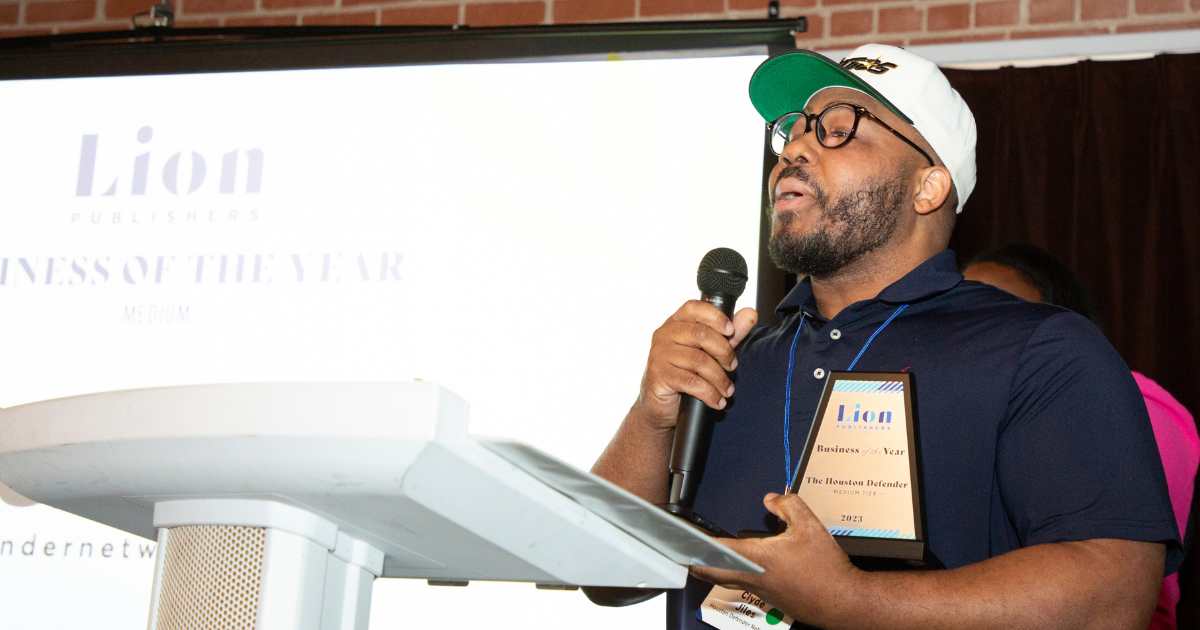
[1179, 446]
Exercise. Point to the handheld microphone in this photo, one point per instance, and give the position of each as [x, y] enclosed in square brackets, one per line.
[721, 278]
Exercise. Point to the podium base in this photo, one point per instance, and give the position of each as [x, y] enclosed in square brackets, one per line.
[236, 564]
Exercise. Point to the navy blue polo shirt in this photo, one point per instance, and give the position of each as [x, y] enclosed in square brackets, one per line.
[1032, 428]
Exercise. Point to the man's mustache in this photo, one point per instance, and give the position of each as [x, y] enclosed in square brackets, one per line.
[795, 171]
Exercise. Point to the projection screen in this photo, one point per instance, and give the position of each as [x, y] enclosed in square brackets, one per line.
[512, 231]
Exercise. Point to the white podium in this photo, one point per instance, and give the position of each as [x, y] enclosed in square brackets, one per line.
[275, 506]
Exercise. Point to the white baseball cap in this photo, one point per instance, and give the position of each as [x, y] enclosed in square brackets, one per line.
[913, 87]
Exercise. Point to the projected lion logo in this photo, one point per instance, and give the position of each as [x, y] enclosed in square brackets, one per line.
[140, 176]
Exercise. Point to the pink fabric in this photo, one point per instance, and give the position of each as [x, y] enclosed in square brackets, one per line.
[1179, 446]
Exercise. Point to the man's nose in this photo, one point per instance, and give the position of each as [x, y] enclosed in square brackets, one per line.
[802, 149]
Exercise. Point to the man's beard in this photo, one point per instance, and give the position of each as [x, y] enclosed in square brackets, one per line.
[858, 223]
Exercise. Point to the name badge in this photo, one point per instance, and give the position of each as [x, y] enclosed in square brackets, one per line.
[733, 609]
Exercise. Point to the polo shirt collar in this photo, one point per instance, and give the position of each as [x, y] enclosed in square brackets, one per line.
[936, 275]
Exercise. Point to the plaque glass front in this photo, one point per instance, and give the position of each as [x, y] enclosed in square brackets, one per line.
[860, 473]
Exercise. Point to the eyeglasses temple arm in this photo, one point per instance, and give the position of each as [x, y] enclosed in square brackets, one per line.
[913, 145]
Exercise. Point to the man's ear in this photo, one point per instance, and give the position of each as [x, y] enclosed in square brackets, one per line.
[932, 189]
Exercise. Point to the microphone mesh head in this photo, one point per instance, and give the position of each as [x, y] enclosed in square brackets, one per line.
[722, 272]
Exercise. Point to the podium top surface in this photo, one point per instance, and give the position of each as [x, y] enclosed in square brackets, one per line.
[390, 464]
[414, 410]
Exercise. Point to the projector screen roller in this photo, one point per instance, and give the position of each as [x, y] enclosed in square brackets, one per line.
[514, 232]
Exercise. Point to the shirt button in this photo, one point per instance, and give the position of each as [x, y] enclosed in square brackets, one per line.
[818, 373]
[835, 334]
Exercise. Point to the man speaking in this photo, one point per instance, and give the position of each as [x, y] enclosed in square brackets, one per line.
[1045, 495]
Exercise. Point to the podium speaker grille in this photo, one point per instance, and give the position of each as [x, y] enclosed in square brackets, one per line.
[210, 578]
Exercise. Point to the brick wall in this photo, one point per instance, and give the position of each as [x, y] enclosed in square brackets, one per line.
[832, 23]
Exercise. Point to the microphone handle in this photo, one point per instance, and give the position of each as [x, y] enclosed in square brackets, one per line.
[693, 433]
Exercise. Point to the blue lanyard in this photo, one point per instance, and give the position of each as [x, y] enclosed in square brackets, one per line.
[789, 477]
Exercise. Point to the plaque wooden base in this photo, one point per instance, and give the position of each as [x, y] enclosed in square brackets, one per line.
[882, 547]
[876, 554]
[927, 562]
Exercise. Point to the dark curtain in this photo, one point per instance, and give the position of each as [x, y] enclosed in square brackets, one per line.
[1099, 163]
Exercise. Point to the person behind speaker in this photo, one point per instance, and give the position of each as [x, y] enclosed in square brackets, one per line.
[1033, 274]
[1044, 494]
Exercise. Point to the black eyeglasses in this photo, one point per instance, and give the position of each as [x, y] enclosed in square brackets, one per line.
[835, 128]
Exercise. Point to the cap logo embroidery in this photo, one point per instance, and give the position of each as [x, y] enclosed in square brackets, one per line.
[874, 66]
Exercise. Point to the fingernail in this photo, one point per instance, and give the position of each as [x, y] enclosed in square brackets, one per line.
[771, 496]
[728, 328]
[729, 392]
[733, 366]
[721, 405]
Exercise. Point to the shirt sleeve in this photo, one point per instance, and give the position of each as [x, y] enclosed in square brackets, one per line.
[1076, 458]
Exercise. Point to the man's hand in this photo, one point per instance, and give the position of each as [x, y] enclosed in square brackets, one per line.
[1087, 584]
[690, 354]
[804, 565]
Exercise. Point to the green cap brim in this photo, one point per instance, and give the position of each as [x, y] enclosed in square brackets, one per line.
[783, 84]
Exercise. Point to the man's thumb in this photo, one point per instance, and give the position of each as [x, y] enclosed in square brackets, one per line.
[790, 508]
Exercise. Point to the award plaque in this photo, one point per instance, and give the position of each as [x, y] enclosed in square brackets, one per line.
[861, 469]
